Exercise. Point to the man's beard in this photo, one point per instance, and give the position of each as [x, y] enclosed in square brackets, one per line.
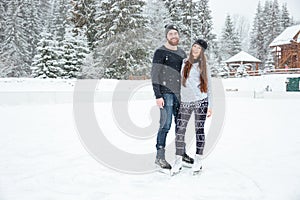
[173, 43]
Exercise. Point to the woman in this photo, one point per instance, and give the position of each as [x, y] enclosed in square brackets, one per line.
[195, 97]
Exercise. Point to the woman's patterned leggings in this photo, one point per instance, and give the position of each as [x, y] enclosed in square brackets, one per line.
[184, 115]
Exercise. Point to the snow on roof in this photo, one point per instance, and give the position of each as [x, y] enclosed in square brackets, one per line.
[286, 36]
[242, 57]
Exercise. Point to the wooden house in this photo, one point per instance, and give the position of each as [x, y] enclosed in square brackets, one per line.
[286, 48]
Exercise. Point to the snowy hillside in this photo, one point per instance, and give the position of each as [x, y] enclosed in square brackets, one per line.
[43, 157]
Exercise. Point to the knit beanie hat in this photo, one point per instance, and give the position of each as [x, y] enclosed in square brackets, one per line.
[202, 43]
[170, 27]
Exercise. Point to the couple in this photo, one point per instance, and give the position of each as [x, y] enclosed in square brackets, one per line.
[181, 85]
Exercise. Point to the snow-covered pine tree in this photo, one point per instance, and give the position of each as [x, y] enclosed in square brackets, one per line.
[174, 8]
[194, 20]
[3, 17]
[273, 25]
[269, 22]
[215, 58]
[242, 27]
[15, 46]
[285, 20]
[83, 14]
[89, 69]
[45, 13]
[121, 37]
[230, 42]
[75, 50]
[269, 63]
[34, 25]
[180, 12]
[45, 63]
[48, 61]
[186, 13]
[257, 34]
[168, 3]
[158, 16]
[202, 25]
[4, 63]
[271, 28]
[60, 19]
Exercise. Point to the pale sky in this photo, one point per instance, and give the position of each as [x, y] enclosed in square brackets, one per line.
[245, 8]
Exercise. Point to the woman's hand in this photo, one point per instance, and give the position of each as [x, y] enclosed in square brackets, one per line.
[209, 112]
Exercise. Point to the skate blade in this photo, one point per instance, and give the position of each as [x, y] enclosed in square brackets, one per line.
[198, 172]
[195, 173]
[187, 165]
[175, 173]
[165, 171]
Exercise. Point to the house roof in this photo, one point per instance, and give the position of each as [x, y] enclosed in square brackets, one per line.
[286, 36]
[242, 57]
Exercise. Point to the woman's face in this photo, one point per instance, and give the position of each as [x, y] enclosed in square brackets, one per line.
[196, 50]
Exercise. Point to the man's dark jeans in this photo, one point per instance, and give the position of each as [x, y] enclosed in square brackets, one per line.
[170, 108]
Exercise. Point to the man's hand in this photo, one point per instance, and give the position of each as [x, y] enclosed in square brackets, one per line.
[160, 102]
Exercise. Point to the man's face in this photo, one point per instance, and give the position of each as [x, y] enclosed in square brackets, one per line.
[173, 37]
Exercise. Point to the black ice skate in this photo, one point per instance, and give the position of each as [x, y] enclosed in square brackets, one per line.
[187, 161]
[162, 163]
[164, 166]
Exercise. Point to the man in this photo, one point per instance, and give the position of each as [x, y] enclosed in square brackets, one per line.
[165, 74]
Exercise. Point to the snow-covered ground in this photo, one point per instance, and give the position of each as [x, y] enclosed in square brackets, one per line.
[42, 157]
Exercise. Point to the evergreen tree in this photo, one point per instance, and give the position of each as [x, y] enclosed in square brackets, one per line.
[60, 20]
[257, 34]
[215, 58]
[45, 13]
[269, 22]
[45, 63]
[3, 17]
[202, 23]
[4, 63]
[269, 63]
[158, 16]
[230, 42]
[34, 26]
[121, 37]
[75, 50]
[15, 46]
[242, 27]
[89, 69]
[62, 50]
[273, 23]
[186, 12]
[180, 12]
[285, 20]
[193, 18]
[174, 8]
[271, 28]
[202, 27]
[83, 16]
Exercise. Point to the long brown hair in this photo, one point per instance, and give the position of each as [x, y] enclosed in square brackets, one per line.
[202, 67]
